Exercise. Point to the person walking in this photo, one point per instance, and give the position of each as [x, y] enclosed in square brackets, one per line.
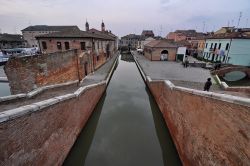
[186, 61]
[208, 84]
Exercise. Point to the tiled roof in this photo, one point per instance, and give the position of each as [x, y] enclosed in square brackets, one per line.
[77, 34]
[11, 37]
[147, 32]
[131, 36]
[50, 28]
[161, 44]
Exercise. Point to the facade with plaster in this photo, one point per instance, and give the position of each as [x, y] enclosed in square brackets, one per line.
[158, 48]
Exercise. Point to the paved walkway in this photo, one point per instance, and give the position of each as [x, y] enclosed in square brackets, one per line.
[191, 77]
[96, 77]
[162, 70]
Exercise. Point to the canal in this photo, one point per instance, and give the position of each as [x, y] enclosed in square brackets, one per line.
[126, 127]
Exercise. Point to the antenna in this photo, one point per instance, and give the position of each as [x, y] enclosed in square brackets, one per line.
[239, 19]
[204, 25]
[160, 30]
[228, 23]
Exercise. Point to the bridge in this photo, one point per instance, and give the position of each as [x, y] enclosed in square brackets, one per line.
[122, 114]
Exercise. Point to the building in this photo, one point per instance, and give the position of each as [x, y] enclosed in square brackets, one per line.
[201, 46]
[232, 48]
[10, 41]
[142, 43]
[180, 35]
[30, 33]
[130, 41]
[147, 33]
[157, 48]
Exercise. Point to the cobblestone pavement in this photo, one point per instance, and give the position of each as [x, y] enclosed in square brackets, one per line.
[96, 77]
[165, 70]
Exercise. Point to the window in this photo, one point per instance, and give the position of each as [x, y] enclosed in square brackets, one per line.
[83, 46]
[206, 45]
[44, 45]
[66, 45]
[211, 45]
[215, 46]
[227, 46]
[219, 46]
[59, 45]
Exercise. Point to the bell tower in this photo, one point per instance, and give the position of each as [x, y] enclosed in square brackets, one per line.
[103, 26]
[87, 26]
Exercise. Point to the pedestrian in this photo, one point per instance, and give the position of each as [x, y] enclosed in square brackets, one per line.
[208, 84]
[186, 61]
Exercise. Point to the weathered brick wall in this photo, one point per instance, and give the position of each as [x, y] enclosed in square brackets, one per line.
[46, 136]
[205, 131]
[27, 73]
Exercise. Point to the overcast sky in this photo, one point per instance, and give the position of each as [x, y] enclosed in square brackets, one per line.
[124, 16]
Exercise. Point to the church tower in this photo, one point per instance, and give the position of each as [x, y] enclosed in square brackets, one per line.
[103, 26]
[87, 26]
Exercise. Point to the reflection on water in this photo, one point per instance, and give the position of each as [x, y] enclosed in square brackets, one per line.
[4, 89]
[126, 127]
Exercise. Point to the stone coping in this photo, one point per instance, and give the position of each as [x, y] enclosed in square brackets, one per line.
[223, 97]
[4, 79]
[38, 106]
[35, 92]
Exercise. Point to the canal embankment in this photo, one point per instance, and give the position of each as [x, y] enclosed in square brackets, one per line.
[126, 127]
[41, 131]
[207, 128]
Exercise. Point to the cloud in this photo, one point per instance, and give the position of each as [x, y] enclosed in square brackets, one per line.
[123, 17]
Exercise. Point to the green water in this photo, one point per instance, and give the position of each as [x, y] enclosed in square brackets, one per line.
[4, 89]
[126, 127]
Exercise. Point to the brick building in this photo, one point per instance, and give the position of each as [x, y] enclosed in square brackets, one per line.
[96, 45]
[157, 48]
[9, 41]
[30, 33]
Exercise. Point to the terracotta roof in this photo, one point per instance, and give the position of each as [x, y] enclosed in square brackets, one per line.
[147, 33]
[77, 34]
[50, 28]
[131, 36]
[11, 37]
[162, 44]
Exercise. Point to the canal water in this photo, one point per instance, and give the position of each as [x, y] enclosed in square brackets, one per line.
[4, 89]
[126, 127]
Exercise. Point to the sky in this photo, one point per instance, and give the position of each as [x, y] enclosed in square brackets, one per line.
[123, 17]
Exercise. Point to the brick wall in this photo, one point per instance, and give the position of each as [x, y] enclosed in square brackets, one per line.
[27, 73]
[206, 131]
[156, 54]
[45, 137]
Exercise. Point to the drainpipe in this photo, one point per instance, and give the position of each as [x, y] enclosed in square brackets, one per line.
[77, 65]
[39, 47]
[93, 58]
